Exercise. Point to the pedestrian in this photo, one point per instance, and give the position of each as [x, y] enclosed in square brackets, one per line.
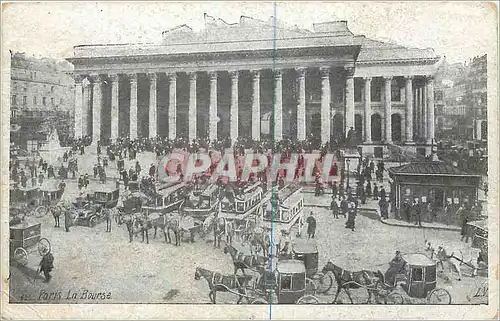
[351, 219]
[80, 182]
[375, 192]
[384, 208]
[382, 193]
[463, 216]
[417, 213]
[334, 189]
[107, 214]
[407, 210]
[68, 220]
[46, 265]
[363, 197]
[334, 206]
[311, 226]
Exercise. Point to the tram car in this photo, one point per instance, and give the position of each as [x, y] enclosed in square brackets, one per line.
[245, 205]
[201, 206]
[284, 209]
[168, 198]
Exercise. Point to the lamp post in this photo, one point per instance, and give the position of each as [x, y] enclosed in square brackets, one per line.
[347, 162]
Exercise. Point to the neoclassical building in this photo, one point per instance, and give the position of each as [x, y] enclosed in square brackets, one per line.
[237, 79]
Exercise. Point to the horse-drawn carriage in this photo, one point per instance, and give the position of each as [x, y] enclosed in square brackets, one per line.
[418, 281]
[201, 206]
[167, 199]
[25, 200]
[307, 252]
[22, 238]
[286, 284]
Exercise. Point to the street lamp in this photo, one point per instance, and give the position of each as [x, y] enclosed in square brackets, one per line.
[347, 161]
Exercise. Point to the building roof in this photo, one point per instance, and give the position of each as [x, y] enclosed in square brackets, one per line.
[434, 168]
[251, 35]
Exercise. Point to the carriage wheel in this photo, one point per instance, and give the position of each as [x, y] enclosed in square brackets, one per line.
[93, 221]
[310, 287]
[439, 296]
[21, 256]
[43, 245]
[40, 211]
[394, 298]
[324, 282]
[259, 301]
[308, 299]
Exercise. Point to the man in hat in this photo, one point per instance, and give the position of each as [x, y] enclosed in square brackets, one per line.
[46, 265]
[68, 220]
[311, 226]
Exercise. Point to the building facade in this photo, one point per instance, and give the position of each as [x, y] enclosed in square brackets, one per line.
[223, 81]
[42, 90]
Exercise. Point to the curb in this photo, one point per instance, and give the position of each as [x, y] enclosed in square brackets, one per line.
[454, 229]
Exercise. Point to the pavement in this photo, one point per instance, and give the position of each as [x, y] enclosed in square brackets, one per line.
[89, 260]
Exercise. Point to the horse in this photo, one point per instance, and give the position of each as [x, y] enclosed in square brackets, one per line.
[220, 227]
[56, 212]
[143, 224]
[171, 222]
[223, 283]
[442, 256]
[242, 261]
[351, 280]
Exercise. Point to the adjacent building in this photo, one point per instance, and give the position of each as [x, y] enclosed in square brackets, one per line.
[42, 98]
[229, 79]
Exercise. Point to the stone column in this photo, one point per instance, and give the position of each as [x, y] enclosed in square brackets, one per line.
[387, 108]
[430, 110]
[349, 99]
[301, 108]
[409, 109]
[325, 104]
[133, 106]
[256, 105]
[368, 110]
[278, 105]
[172, 105]
[114, 105]
[78, 106]
[212, 113]
[192, 106]
[86, 106]
[424, 110]
[152, 105]
[417, 113]
[233, 112]
[96, 108]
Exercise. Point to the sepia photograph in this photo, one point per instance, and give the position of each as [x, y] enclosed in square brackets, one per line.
[331, 154]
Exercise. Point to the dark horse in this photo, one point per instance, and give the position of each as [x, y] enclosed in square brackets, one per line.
[352, 280]
[223, 283]
[242, 261]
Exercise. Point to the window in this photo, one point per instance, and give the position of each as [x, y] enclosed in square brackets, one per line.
[376, 93]
[34, 100]
[13, 100]
[44, 101]
[395, 91]
[417, 274]
[52, 89]
[25, 100]
[286, 282]
[52, 101]
[358, 92]
[60, 101]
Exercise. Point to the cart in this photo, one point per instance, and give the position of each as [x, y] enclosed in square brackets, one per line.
[307, 252]
[291, 286]
[22, 238]
[27, 200]
[418, 281]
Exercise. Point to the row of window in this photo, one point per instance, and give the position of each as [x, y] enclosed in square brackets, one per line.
[376, 93]
[14, 102]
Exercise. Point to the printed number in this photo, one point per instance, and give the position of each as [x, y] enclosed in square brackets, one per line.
[481, 292]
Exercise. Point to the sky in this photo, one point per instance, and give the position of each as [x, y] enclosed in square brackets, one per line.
[457, 30]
